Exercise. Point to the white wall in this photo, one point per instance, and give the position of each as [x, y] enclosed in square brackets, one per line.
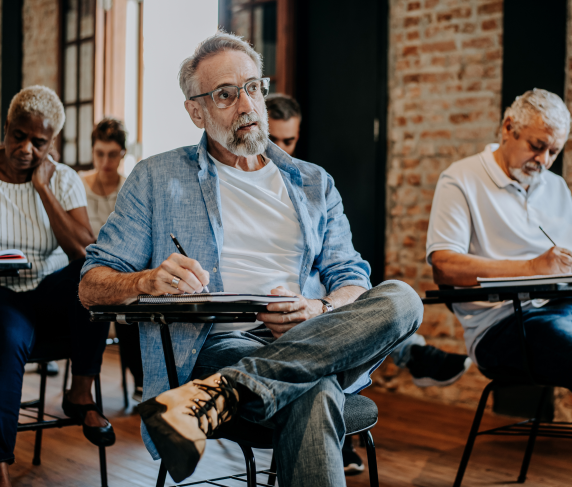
[171, 31]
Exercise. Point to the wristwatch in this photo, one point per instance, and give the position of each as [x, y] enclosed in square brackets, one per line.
[327, 306]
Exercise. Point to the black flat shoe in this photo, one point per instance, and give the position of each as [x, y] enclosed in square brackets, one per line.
[98, 435]
[180, 420]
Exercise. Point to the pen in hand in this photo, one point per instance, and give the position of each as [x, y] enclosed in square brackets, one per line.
[182, 252]
[547, 236]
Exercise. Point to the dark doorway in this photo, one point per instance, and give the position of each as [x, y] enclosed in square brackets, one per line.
[11, 54]
[534, 50]
[342, 90]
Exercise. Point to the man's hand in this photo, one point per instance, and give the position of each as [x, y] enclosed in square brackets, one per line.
[283, 316]
[158, 281]
[43, 173]
[556, 260]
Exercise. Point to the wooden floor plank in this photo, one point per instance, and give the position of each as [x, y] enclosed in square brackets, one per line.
[418, 443]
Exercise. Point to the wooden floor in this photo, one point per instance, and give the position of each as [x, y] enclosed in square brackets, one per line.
[418, 443]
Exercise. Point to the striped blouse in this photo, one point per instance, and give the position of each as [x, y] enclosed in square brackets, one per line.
[24, 225]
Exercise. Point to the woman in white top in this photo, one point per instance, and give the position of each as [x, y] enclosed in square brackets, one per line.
[103, 183]
[43, 213]
[102, 186]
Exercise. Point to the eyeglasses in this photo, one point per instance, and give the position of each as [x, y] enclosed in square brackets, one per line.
[227, 96]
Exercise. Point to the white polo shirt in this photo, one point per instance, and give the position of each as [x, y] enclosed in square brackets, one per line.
[478, 210]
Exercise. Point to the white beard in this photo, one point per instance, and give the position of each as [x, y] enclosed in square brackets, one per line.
[249, 144]
[525, 178]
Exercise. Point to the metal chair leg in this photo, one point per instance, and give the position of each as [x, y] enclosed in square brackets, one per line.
[371, 458]
[250, 465]
[66, 375]
[124, 380]
[532, 437]
[473, 435]
[38, 444]
[272, 476]
[102, 457]
[162, 476]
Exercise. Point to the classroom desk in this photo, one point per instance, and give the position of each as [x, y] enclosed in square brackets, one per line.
[516, 294]
[164, 314]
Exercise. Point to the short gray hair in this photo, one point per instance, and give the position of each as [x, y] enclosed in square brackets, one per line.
[220, 42]
[38, 100]
[536, 102]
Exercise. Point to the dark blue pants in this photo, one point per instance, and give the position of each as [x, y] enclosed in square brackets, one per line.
[51, 310]
[548, 336]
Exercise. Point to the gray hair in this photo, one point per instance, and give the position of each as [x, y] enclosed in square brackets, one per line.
[38, 100]
[220, 42]
[549, 106]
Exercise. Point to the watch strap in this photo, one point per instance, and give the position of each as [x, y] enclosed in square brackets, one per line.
[327, 306]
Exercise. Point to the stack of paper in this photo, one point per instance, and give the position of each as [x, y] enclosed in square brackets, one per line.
[12, 256]
[216, 298]
[524, 280]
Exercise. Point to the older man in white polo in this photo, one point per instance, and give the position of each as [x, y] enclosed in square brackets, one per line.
[485, 222]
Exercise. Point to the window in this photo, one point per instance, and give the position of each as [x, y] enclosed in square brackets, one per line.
[78, 80]
[268, 26]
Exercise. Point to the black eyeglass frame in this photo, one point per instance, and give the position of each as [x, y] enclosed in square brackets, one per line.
[243, 87]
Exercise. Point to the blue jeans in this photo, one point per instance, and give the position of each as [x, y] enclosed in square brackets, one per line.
[51, 310]
[297, 381]
[548, 333]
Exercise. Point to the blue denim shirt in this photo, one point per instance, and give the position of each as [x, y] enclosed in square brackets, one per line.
[178, 192]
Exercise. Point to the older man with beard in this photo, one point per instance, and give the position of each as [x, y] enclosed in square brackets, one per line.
[253, 220]
[485, 222]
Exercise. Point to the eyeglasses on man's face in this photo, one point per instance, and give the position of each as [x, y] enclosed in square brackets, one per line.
[227, 96]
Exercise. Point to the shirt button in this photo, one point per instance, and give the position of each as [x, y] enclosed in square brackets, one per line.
[214, 269]
[194, 351]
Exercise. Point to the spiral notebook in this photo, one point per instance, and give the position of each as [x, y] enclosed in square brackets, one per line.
[215, 298]
[524, 280]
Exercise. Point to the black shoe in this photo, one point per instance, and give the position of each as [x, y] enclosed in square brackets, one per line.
[352, 462]
[430, 366]
[98, 435]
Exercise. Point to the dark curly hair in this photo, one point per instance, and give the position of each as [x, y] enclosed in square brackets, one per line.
[110, 130]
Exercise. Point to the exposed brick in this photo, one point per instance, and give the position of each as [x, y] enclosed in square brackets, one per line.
[411, 21]
[413, 6]
[456, 13]
[490, 8]
[439, 46]
[489, 24]
[444, 105]
[479, 43]
[410, 51]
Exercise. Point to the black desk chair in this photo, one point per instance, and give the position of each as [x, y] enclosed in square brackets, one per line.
[44, 352]
[532, 428]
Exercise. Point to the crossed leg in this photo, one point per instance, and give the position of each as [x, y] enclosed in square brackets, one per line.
[294, 382]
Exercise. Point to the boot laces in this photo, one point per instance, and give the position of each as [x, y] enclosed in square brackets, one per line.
[200, 407]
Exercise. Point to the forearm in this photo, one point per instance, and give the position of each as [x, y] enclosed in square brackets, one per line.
[345, 295]
[70, 234]
[103, 285]
[455, 269]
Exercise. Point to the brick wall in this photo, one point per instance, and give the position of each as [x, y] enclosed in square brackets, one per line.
[445, 101]
[41, 49]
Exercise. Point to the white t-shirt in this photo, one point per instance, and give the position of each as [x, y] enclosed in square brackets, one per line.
[263, 242]
[24, 225]
[478, 210]
[100, 207]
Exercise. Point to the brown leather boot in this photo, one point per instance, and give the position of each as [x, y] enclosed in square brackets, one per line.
[180, 420]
